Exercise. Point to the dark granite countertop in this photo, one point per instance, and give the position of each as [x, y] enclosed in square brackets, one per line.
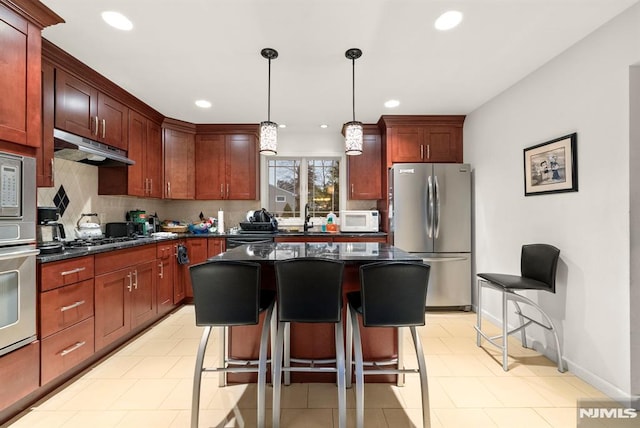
[349, 252]
[80, 252]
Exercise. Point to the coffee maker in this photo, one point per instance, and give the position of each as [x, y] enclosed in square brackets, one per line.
[49, 233]
[139, 219]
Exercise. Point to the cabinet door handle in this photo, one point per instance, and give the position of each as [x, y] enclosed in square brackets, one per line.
[168, 188]
[104, 128]
[96, 127]
[72, 348]
[428, 151]
[135, 283]
[227, 190]
[150, 186]
[53, 172]
[130, 286]
[421, 151]
[73, 305]
[72, 271]
[351, 189]
[221, 190]
[161, 266]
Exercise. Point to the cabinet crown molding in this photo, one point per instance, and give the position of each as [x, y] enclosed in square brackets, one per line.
[34, 11]
[388, 121]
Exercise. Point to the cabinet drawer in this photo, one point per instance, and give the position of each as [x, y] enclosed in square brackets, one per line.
[120, 259]
[66, 349]
[167, 250]
[57, 274]
[65, 306]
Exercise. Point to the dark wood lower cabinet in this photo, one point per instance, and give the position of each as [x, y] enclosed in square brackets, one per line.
[125, 293]
[66, 349]
[21, 370]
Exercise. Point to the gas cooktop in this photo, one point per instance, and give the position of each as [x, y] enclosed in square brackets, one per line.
[90, 243]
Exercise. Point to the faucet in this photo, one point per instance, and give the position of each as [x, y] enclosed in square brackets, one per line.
[307, 217]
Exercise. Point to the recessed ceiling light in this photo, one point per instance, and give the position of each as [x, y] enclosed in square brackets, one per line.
[282, 125]
[391, 103]
[448, 20]
[117, 20]
[203, 104]
[323, 126]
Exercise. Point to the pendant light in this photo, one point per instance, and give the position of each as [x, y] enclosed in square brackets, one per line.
[353, 129]
[268, 129]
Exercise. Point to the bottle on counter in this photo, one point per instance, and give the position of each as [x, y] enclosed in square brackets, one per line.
[331, 224]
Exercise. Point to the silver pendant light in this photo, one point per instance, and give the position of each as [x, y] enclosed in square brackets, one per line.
[268, 129]
[353, 129]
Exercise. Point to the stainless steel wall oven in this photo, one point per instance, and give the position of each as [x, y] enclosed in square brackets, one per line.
[17, 251]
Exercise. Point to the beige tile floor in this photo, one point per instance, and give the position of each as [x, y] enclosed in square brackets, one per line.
[148, 382]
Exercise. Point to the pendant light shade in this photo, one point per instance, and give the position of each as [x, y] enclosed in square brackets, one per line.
[268, 129]
[353, 130]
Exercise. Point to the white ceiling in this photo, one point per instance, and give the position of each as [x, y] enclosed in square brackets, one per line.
[181, 51]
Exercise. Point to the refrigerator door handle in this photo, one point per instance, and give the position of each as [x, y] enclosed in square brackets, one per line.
[429, 208]
[437, 216]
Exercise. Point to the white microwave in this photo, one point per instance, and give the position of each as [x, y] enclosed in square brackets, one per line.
[359, 221]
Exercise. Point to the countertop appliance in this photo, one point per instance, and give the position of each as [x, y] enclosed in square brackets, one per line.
[430, 216]
[359, 221]
[17, 251]
[119, 229]
[49, 233]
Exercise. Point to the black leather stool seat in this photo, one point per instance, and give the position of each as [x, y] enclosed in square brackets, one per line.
[514, 282]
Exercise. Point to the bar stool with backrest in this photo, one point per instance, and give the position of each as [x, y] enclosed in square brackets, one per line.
[538, 264]
[227, 293]
[392, 294]
[309, 291]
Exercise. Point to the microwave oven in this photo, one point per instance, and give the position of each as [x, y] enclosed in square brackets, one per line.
[359, 221]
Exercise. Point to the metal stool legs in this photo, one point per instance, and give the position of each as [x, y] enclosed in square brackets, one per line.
[279, 370]
[261, 369]
[507, 296]
[360, 372]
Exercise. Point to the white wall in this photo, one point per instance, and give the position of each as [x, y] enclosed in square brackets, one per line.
[584, 90]
[634, 176]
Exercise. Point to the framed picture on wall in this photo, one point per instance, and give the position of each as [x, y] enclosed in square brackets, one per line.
[551, 167]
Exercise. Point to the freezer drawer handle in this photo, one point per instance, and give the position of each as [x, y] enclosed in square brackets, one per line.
[444, 259]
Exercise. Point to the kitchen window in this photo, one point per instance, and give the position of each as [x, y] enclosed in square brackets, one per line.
[294, 182]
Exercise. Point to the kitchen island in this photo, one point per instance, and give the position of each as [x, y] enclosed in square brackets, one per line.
[316, 341]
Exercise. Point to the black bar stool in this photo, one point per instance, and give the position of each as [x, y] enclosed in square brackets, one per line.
[227, 293]
[392, 294]
[538, 265]
[309, 291]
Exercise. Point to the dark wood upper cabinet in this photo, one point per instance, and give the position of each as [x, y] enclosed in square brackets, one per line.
[21, 23]
[144, 178]
[422, 138]
[226, 165]
[81, 109]
[364, 171]
[178, 156]
[44, 154]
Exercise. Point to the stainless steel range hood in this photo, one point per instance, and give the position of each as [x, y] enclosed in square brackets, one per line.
[79, 149]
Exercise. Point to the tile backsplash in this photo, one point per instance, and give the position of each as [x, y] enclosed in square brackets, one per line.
[80, 183]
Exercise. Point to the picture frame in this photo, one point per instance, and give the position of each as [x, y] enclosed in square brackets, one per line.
[552, 166]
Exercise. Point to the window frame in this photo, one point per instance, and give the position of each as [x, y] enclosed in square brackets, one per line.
[304, 187]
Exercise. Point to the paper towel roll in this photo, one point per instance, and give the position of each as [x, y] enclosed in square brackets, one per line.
[220, 221]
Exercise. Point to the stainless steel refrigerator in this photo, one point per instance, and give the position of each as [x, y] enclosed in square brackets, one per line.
[430, 216]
